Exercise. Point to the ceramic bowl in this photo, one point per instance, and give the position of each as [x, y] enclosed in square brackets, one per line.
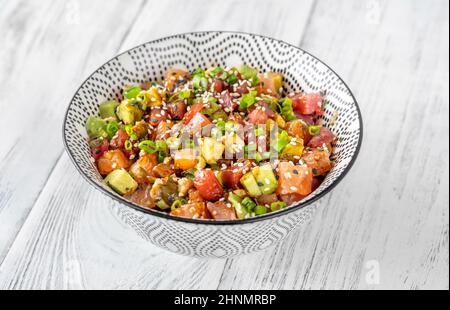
[149, 61]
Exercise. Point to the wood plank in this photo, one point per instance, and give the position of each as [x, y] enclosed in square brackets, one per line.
[50, 46]
[72, 239]
[392, 209]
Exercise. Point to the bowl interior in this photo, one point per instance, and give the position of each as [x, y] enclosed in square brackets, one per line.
[149, 61]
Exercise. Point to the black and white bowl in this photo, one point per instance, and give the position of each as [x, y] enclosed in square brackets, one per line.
[149, 61]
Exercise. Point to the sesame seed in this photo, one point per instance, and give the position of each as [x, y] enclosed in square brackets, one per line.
[293, 188]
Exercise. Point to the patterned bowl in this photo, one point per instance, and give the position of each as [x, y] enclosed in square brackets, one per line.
[149, 61]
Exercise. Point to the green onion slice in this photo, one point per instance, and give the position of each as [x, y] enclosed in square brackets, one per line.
[314, 130]
[128, 145]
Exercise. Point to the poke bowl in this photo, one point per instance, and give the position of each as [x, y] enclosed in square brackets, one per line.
[123, 131]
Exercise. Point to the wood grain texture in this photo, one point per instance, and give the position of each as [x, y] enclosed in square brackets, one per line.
[391, 210]
[48, 50]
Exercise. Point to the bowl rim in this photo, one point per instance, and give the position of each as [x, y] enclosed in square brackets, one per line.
[259, 218]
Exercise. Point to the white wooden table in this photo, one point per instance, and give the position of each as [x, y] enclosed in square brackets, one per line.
[385, 226]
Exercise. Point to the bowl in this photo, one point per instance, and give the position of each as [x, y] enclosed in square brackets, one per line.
[149, 61]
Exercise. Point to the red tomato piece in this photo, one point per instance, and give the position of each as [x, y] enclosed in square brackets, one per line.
[98, 151]
[309, 119]
[218, 85]
[244, 88]
[207, 184]
[231, 179]
[232, 175]
[157, 116]
[177, 109]
[198, 121]
[307, 104]
[257, 116]
[118, 142]
[325, 136]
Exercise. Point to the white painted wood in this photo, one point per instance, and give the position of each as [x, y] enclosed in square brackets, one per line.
[391, 210]
[50, 47]
[47, 49]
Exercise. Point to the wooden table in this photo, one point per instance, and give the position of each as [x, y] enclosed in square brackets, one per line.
[386, 226]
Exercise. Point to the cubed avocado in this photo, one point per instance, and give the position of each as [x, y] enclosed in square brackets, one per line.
[235, 200]
[129, 113]
[108, 109]
[250, 184]
[121, 182]
[241, 212]
[277, 79]
[211, 150]
[96, 127]
[265, 178]
[293, 150]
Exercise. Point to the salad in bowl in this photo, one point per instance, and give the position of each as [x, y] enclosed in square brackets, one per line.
[215, 143]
